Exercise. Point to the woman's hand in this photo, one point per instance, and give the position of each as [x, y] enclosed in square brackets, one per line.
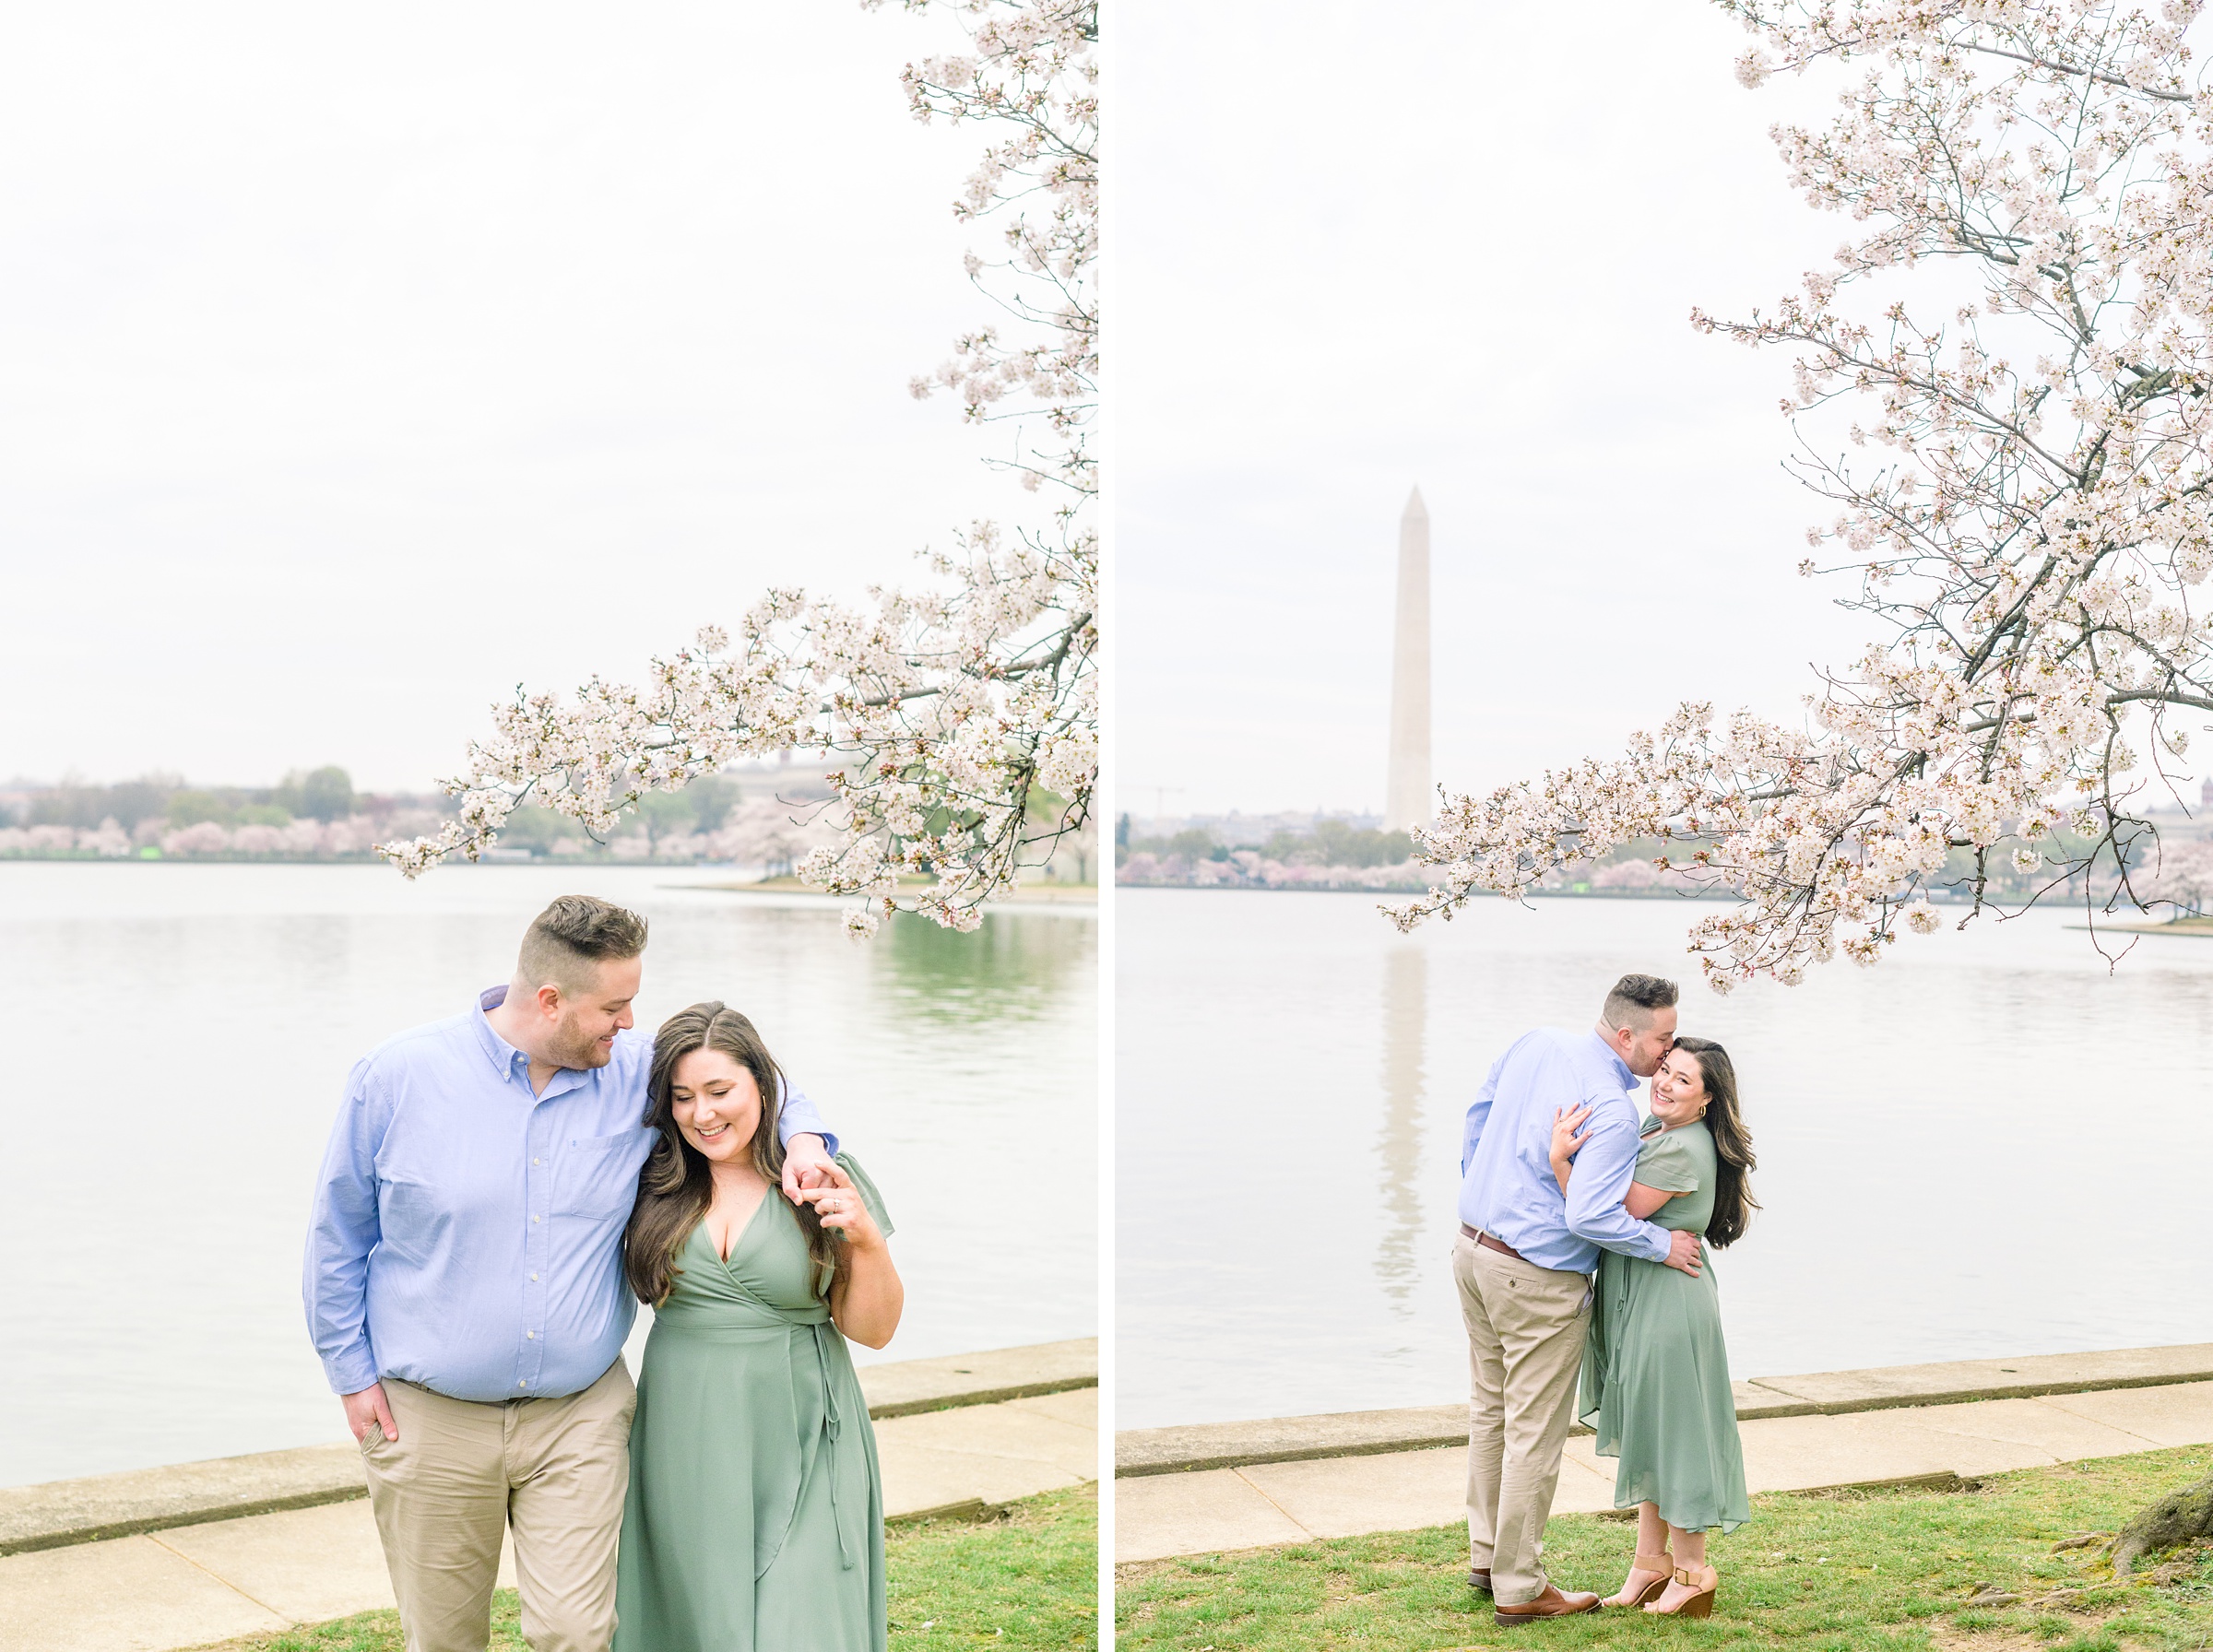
[1565, 1142]
[842, 1210]
[866, 1297]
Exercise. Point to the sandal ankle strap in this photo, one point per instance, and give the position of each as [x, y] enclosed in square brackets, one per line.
[1662, 1562]
[1690, 1580]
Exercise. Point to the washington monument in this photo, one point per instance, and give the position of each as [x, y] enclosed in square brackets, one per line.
[1406, 800]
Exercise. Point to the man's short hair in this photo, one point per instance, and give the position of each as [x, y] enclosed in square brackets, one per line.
[1634, 1000]
[567, 942]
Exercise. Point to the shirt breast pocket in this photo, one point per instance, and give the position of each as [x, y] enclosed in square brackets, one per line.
[597, 1176]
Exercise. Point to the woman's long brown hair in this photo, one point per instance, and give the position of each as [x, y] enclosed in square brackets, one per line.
[1733, 1201]
[677, 1186]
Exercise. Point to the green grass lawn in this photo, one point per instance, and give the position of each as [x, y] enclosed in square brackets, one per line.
[1858, 1572]
[1029, 1581]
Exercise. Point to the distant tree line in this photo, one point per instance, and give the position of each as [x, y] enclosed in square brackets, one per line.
[1330, 842]
[324, 794]
[704, 806]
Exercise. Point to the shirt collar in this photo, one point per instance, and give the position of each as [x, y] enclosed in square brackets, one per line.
[506, 1058]
[497, 1050]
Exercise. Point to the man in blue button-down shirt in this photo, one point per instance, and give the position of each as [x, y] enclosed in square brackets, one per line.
[464, 1288]
[1523, 1263]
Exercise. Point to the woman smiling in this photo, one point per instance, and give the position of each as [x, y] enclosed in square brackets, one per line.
[1655, 1381]
[755, 1515]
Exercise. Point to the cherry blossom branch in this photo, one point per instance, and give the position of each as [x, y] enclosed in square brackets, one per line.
[966, 713]
[2030, 546]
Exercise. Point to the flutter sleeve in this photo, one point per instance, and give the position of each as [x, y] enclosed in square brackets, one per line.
[1665, 1162]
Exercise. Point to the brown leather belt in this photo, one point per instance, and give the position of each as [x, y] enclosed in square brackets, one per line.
[1488, 1242]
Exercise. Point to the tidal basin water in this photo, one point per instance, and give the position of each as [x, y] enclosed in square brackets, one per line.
[182, 1034]
[1986, 1145]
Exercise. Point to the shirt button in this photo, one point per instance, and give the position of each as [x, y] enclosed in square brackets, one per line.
[530, 1334]
[524, 1384]
[534, 1218]
[534, 1276]
[534, 1161]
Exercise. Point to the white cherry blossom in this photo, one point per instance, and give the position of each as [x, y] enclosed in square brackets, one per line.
[2019, 488]
[965, 713]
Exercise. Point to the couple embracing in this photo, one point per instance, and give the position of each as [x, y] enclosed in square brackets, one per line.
[500, 1189]
[1582, 1263]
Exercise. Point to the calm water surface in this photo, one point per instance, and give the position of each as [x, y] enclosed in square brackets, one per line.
[1987, 1145]
[183, 1034]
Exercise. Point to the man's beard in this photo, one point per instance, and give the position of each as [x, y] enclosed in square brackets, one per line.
[577, 1051]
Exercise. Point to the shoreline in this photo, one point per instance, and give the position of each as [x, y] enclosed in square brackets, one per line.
[1423, 889]
[1951, 1427]
[2187, 928]
[1196, 1446]
[1033, 895]
[1043, 893]
[59, 1513]
[1546, 894]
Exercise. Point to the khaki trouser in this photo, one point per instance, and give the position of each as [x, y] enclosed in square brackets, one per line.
[554, 1468]
[1525, 1346]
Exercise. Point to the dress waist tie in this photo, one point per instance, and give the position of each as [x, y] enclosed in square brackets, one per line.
[833, 1428]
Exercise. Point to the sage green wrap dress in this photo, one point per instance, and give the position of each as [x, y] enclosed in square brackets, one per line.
[755, 1516]
[1655, 1379]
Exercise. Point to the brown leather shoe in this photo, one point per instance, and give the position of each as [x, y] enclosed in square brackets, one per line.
[1479, 1578]
[1552, 1603]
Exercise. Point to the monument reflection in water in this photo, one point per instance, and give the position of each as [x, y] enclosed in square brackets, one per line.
[185, 1032]
[1294, 1074]
[1399, 1141]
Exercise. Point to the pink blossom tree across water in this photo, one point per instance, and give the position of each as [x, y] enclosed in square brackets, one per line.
[2022, 501]
[966, 713]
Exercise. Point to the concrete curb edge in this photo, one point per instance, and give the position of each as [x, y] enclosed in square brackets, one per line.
[1198, 1446]
[61, 1514]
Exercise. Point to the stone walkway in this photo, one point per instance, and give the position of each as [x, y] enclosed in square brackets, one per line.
[181, 1586]
[1877, 1436]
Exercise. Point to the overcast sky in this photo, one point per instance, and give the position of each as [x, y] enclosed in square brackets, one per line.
[359, 364]
[1454, 246]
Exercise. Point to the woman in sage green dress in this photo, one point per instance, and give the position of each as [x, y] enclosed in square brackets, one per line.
[755, 1516]
[1655, 1380]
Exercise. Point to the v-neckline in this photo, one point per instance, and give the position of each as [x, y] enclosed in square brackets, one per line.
[737, 1238]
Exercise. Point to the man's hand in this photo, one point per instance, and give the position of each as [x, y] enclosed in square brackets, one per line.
[807, 1163]
[1682, 1252]
[368, 1407]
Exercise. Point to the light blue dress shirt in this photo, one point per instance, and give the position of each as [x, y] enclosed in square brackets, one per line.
[1506, 1187]
[468, 1234]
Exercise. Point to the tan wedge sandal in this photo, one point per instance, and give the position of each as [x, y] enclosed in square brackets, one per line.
[1699, 1605]
[1663, 1563]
